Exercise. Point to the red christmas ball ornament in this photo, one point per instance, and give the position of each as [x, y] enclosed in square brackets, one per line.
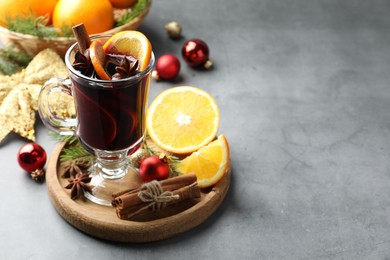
[167, 67]
[32, 158]
[153, 168]
[195, 52]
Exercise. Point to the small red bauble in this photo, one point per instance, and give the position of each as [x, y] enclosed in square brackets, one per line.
[32, 158]
[153, 168]
[167, 67]
[195, 52]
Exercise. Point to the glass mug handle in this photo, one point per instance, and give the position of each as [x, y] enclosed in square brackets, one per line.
[63, 126]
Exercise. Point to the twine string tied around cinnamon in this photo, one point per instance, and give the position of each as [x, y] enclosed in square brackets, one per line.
[153, 193]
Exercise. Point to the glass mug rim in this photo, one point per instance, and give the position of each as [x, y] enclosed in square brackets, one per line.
[78, 74]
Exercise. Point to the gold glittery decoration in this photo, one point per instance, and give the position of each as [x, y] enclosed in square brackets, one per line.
[47, 64]
[9, 82]
[16, 113]
[19, 95]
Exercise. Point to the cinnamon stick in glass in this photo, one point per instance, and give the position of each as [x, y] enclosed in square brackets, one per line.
[82, 37]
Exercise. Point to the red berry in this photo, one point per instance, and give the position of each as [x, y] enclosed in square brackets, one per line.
[153, 168]
[31, 157]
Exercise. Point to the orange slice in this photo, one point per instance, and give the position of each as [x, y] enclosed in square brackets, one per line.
[98, 59]
[209, 163]
[131, 43]
[182, 119]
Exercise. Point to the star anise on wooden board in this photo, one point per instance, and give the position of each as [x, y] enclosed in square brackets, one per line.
[78, 185]
[72, 168]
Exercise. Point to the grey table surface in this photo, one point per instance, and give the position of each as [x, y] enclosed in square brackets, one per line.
[303, 90]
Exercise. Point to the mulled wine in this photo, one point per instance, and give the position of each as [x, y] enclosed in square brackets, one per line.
[110, 116]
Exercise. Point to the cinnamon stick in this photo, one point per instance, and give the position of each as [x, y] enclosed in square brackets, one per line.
[130, 198]
[82, 37]
[185, 193]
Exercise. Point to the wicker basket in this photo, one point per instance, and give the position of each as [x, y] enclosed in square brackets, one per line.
[33, 44]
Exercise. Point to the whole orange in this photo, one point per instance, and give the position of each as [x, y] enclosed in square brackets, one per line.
[10, 9]
[96, 15]
[121, 4]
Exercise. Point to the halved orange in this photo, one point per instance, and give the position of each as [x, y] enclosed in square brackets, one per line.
[182, 119]
[132, 43]
[209, 163]
[98, 59]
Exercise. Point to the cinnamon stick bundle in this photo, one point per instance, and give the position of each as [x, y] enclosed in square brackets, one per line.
[127, 198]
[155, 196]
[185, 193]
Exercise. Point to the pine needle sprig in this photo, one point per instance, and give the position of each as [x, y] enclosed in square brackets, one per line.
[69, 139]
[12, 61]
[133, 13]
[77, 154]
[33, 25]
[8, 67]
[172, 160]
[74, 151]
[22, 59]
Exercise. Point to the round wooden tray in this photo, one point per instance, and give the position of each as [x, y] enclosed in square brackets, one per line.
[102, 221]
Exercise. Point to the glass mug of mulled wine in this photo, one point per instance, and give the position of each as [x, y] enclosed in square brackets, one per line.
[109, 123]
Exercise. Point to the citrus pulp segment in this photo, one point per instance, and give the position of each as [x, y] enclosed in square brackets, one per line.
[132, 43]
[183, 119]
[209, 163]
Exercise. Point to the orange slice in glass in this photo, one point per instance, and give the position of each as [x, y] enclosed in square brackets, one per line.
[209, 163]
[131, 43]
[182, 119]
[98, 59]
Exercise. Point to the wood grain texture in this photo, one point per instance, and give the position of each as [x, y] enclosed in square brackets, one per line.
[102, 222]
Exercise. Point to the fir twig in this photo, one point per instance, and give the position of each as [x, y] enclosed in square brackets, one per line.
[65, 31]
[8, 67]
[12, 61]
[152, 149]
[133, 13]
[70, 139]
[31, 24]
[22, 59]
[77, 154]
[74, 152]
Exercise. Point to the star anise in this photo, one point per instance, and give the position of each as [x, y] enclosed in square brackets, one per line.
[82, 63]
[72, 168]
[78, 185]
[125, 66]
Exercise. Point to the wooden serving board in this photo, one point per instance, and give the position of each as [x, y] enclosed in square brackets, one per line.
[102, 221]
